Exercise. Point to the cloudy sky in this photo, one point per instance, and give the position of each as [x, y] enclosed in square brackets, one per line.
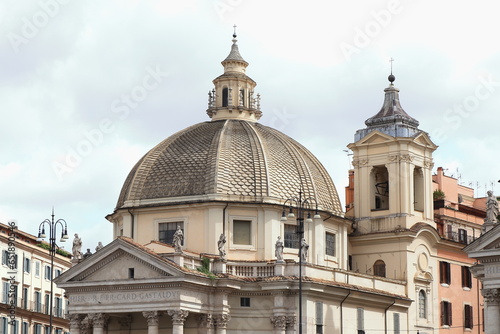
[88, 87]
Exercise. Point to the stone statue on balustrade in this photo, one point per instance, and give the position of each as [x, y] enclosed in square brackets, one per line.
[221, 245]
[279, 250]
[304, 250]
[77, 248]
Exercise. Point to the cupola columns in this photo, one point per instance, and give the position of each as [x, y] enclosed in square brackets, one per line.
[233, 96]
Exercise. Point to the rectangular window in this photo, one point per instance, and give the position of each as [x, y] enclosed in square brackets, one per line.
[38, 329]
[319, 318]
[57, 273]
[466, 277]
[14, 327]
[27, 265]
[3, 326]
[291, 237]
[462, 236]
[360, 319]
[242, 232]
[397, 326]
[166, 232]
[48, 273]
[47, 303]
[330, 244]
[245, 301]
[446, 313]
[5, 292]
[5, 257]
[444, 272]
[25, 328]
[131, 272]
[46, 330]
[37, 268]
[25, 298]
[38, 302]
[468, 322]
[58, 309]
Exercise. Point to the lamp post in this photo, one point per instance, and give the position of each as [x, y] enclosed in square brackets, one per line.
[52, 251]
[301, 206]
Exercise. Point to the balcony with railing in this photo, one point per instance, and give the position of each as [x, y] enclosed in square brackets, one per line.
[459, 237]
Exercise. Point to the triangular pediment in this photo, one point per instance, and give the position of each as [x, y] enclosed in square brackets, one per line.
[375, 137]
[118, 261]
[423, 139]
[486, 245]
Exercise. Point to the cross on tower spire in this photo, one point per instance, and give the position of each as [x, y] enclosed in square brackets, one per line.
[234, 34]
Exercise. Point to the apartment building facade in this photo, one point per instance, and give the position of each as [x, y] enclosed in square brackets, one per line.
[26, 274]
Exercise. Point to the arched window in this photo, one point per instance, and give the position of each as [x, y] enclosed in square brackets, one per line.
[380, 188]
[379, 268]
[418, 189]
[422, 305]
[224, 97]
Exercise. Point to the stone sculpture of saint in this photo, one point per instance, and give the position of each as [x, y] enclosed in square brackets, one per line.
[77, 247]
[221, 244]
[177, 240]
[491, 208]
[304, 250]
[279, 250]
[99, 246]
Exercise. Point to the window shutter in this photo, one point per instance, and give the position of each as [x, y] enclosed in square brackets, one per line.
[449, 313]
[361, 320]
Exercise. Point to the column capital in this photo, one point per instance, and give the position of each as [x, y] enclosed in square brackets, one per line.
[98, 319]
[290, 321]
[152, 317]
[279, 321]
[86, 324]
[206, 320]
[221, 320]
[178, 316]
[491, 296]
[74, 319]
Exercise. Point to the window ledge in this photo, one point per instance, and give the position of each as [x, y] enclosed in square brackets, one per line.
[466, 289]
[445, 285]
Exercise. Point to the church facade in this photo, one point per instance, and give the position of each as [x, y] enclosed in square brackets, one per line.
[210, 224]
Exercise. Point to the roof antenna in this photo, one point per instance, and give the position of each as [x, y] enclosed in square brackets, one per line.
[234, 34]
[391, 76]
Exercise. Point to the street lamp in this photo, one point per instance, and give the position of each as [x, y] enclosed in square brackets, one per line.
[301, 206]
[52, 251]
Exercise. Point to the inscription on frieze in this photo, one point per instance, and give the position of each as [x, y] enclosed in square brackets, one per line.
[124, 297]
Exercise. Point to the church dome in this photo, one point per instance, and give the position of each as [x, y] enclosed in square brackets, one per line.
[228, 160]
[231, 158]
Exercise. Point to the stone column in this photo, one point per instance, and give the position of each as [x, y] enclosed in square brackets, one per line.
[99, 320]
[221, 323]
[74, 323]
[492, 310]
[153, 318]
[178, 318]
[279, 323]
[206, 325]
[290, 324]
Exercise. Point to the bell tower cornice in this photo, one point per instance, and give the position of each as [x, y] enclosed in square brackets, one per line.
[233, 95]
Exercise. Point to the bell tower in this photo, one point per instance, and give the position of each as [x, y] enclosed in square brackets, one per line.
[392, 162]
[233, 95]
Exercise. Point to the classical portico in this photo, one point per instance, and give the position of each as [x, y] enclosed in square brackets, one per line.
[125, 286]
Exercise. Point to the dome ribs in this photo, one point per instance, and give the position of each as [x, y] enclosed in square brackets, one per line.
[230, 160]
[236, 164]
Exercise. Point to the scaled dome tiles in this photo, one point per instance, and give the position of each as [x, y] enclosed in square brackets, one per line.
[228, 160]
